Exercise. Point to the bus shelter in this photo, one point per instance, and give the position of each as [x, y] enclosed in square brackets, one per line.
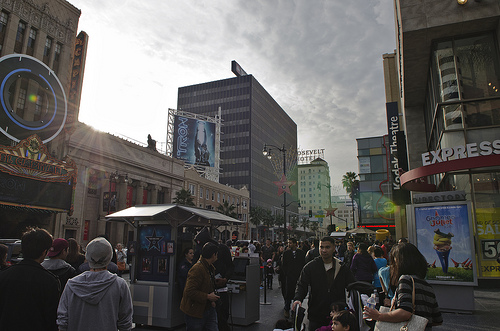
[161, 232]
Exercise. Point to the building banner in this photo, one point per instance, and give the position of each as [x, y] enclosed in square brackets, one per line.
[444, 237]
[194, 141]
[488, 235]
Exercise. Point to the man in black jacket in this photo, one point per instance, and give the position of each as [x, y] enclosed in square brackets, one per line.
[29, 294]
[328, 280]
[294, 260]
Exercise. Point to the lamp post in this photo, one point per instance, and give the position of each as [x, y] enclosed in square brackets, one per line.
[267, 152]
[114, 177]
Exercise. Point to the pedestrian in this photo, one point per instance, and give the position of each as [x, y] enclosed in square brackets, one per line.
[96, 299]
[294, 260]
[121, 259]
[335, 308]
[75, 257]
[268, 252]
[362, 266]
[184, 267]
[407, 273]
[313, 252]
[349, 254]
[29, 293]
[57, 261]
[199, 300]
[327, 279]
[380, 262]
[251, 246]
[345, 321]
[269, 270]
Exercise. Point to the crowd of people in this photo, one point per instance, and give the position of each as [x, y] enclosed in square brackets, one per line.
[63, 288]
[57, 287]
[323, 270]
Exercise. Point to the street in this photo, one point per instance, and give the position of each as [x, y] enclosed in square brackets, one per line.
[485, 316]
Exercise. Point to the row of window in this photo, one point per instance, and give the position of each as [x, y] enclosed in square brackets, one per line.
[32, 41]
[211, 194]
[310, 171]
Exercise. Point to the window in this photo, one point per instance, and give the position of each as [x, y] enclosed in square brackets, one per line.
[57, 57]
[223, 198]
[192, 189]
[207, 194]
[213, 195]
[4, 18]
[21, 101]
[21, 29]
[47, 50]
[218, 197]
[244, 202]
[30, 50]
[201, 192]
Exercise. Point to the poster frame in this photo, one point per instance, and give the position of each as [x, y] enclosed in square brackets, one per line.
[412, 232]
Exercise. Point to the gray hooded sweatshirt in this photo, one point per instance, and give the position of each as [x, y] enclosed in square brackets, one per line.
[95, 301]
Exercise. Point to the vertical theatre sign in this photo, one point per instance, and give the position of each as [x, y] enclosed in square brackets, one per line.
[397, 152]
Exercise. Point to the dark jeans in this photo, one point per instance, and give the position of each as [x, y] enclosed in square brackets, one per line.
[207, 322]
[223, 312]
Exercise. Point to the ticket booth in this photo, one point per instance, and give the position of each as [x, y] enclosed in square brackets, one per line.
[160, 233]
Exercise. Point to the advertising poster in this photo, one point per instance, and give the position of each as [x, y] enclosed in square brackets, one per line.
[488, 235]
[153, 256]
[444, 238]
[194, 141]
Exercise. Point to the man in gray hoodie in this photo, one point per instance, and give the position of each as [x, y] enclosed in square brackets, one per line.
[96, 299]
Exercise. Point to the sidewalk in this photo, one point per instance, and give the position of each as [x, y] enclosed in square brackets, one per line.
[486, 315]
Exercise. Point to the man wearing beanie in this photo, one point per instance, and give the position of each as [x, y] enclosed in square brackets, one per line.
[96, 299]
[56, 263]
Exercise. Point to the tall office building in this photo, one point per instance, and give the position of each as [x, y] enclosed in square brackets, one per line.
[251, 118]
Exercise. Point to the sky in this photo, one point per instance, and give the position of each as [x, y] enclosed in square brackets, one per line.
[321, 60]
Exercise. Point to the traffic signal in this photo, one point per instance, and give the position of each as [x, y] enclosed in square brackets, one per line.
[310, 213]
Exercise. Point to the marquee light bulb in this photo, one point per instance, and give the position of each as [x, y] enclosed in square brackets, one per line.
[461, 2]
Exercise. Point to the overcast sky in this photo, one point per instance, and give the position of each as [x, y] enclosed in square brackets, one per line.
[320, 60]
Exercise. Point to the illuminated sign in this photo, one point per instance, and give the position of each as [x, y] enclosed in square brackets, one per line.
[194, 141]
[30, 176]
[308, 155]
[484, 148]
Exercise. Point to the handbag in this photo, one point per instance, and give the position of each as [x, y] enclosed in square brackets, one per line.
[414, 323]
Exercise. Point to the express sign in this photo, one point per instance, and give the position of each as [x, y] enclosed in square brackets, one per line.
[484, 148]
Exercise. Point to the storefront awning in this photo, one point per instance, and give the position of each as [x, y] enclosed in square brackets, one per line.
[181, 215]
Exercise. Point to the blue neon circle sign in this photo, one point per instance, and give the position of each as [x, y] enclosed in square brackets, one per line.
[19, 66]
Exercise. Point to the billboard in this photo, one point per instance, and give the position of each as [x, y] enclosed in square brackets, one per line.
[194, 141]
[444, 236]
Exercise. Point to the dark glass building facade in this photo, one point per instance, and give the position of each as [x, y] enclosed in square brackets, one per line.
[251, 118]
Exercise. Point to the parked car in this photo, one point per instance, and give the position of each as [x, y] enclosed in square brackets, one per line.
[14, 253]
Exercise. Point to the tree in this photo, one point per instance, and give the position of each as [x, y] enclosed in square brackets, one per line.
[268, 219]
[227, 209]
[314, 226]
[184, 197]
[294, 223]
[349, 182]
[278, 220]
[257, 215]
[305, 223]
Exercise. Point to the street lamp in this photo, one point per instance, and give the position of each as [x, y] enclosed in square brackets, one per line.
[114, 177]
[268, 152]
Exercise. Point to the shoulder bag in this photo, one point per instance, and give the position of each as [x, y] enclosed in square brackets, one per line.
[415, 323]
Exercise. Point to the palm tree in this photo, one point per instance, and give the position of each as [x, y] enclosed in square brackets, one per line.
[184, 197]
[257, 215]
[349, 181]
[314, 227]
[227, 209]
[305, 223]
